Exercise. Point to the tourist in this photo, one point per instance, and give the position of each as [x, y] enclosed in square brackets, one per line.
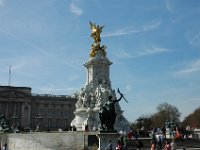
[139, 144]
[164, 131]
[73, 128]
[167, 146]
[86, 128]
[159, 139]
[124, 139]
[119, 145]
[5, 147]
[130, 135]
[153, 145]
[173, 145]
[109, 146]
[178, 133]
[137, 134]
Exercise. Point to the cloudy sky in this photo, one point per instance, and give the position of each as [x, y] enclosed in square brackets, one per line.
[154, 46]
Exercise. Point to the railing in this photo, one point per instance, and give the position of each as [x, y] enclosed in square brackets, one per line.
[50, 95]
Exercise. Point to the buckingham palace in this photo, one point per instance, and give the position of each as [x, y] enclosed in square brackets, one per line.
[26, 110]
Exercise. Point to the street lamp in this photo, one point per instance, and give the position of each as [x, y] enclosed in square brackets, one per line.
[39, 117]
[14, 128]
[49, 121]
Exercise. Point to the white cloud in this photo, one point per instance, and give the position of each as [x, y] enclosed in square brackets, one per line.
[144, 52]
[1, 2]
[196, 39]
[190, 68]
[128, 87]
[16, 64]
[75, 9]
[53, 89]
[26, 42]
[152, 50]
[125, 31]
[72, 63]
[123, 54]
[74, 77]
[168, 6]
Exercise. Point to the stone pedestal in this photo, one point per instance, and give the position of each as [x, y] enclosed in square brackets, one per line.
[104, 139]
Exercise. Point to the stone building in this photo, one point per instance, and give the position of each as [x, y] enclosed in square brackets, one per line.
[25, 109]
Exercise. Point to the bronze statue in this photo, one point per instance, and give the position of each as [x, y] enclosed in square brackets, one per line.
[107, 113]
[96, 30]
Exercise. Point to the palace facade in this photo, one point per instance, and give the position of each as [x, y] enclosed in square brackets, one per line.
[24, 109]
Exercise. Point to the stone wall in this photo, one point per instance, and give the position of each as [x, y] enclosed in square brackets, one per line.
[46, 141]
[196, 134]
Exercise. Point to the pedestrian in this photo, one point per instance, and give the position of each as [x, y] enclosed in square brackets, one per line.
[159, 139]
[137, 134]
[5, 147]
[173, 145]
[109, 146]
[164, 131]
[153, 145]
[125, 147]
[167, 146]
[86, 128]
[139, 144]
[119, 145]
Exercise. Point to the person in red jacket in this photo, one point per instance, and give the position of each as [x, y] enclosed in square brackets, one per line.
[119, 145]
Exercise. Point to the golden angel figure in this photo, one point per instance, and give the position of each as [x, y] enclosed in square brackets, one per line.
[96, 30]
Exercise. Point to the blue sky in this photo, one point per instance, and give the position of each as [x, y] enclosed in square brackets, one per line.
[154, 46]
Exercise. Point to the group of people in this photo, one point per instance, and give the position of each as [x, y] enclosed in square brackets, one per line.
[121, 144]
[159, 137]
[168, 145]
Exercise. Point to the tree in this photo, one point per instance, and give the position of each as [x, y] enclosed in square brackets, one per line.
[192, 119]
[165, 112]
[143, 121]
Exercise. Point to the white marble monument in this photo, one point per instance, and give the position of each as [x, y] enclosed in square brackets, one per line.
[97, 89]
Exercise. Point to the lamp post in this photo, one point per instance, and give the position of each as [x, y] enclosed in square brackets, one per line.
[14, 128]
[49, 121]
[39, 118]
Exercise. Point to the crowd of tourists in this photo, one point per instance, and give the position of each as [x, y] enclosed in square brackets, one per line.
[160, 139]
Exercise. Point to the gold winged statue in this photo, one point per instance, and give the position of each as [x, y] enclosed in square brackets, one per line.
[96, 30]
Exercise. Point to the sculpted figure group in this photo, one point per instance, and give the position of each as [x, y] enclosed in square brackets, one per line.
[107, 113]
